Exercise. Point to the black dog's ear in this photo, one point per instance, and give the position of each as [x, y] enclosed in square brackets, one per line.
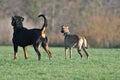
[12, 17]
[22, 19]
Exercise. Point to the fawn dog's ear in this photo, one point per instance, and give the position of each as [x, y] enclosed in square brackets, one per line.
[62, 26]
[66, 26]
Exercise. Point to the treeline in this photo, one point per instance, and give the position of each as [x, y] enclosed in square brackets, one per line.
[98, 20]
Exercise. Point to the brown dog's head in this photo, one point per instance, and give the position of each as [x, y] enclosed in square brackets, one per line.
[17, 22]
[65, 29]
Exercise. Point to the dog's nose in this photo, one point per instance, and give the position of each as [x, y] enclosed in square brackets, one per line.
[62, 31]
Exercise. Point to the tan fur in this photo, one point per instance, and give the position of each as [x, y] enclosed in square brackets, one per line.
[43, 32]
[71, 40]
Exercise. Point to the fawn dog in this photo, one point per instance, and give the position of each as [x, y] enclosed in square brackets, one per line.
[23, 37]
[71, 40]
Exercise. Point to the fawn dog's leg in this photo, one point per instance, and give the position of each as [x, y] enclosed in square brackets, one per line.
[70, 53]
[79, 45]
[66, 49]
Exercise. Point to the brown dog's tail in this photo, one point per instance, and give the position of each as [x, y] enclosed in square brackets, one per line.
[85, 43]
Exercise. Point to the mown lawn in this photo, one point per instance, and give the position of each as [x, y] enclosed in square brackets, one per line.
[103, 64]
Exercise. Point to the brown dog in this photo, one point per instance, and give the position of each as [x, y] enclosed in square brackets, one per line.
[71, 40]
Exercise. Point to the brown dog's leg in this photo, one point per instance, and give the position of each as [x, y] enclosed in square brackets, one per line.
[85, 50]
[25, 53]
[79, 46]
[46, 48]
[79, 51]
[70, 53]
[66, 52]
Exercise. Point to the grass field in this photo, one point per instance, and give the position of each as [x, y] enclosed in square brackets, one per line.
[103, 64]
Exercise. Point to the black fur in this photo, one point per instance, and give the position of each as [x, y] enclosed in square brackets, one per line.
[23, 37]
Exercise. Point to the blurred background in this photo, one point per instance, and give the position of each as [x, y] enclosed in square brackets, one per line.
[98, 20]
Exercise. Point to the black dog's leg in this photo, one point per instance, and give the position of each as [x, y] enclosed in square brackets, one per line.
[25, 53]
[15, 51]
[46, 48]
[37, 50]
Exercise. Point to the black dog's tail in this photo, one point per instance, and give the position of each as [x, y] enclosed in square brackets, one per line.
[45, 20]
[43, 29]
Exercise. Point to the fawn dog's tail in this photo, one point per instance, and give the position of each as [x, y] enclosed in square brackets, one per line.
[85, 44]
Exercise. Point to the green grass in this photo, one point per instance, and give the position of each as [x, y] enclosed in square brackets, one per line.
[103, 64]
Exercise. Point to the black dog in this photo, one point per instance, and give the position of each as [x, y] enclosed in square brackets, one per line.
[23, 37]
